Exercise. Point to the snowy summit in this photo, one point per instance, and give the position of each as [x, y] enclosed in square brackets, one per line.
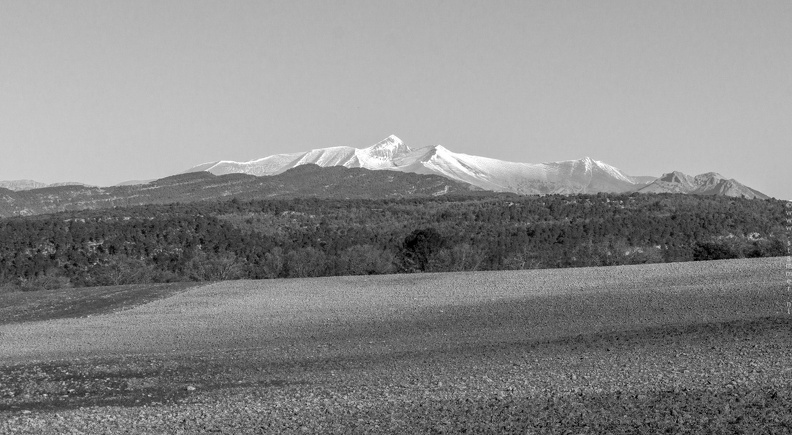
[565, 177]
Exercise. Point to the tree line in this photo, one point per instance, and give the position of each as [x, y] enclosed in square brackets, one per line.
[327, 237]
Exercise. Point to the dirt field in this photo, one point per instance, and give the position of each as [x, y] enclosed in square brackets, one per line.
[697, 347]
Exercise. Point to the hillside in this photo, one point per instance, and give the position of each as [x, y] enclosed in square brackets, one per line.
[303, 181]
[704, 184]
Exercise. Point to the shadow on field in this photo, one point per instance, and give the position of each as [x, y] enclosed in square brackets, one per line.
[539, 319]
[148, 380]
[128, 381]
[707, 336]
[18, 307]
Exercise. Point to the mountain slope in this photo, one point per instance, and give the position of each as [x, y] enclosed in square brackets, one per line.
[377, 156]
[573, 176]
[302, 181]
[710, 183]
[19, 185]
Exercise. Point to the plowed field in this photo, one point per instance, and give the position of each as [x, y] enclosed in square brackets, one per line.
[696, 347]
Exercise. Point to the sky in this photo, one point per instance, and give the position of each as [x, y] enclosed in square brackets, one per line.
[107, 91]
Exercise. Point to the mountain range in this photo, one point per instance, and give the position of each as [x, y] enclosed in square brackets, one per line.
[710, 183]
[566, 177]
[387, 169]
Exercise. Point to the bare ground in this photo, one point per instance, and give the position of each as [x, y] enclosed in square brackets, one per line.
[686, 347]
[19, 306]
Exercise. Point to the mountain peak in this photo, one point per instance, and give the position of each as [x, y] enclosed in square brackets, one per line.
[430, 152]
[389, 142]
[711, 176]
[584, 175]
[710, 183]
[675, 177]
[588, 163]
[388, 148]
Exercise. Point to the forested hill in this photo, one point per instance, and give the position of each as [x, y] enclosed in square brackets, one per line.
[318, 237]
[305, 181]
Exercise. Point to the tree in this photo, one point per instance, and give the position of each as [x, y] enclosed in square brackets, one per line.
[305, 262]
[273, 265]
[120, 269]
[215, 267]
[461, 257]
[50, 280]
[713, 251]
[419, 246]
[365, 260]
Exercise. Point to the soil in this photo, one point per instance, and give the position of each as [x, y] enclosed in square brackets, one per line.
[19, 306]
[685, 348]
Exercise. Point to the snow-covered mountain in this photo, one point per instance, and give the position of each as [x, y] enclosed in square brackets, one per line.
[378, 156]
[391, 154]
[710, 183]
[572, 176]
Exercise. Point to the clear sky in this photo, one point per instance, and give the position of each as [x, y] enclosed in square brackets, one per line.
[106, 91]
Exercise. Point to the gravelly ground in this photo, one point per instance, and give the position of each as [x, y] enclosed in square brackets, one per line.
[17, 307]
[693, 347]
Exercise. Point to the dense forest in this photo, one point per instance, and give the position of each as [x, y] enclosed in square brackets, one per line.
[325, 237]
